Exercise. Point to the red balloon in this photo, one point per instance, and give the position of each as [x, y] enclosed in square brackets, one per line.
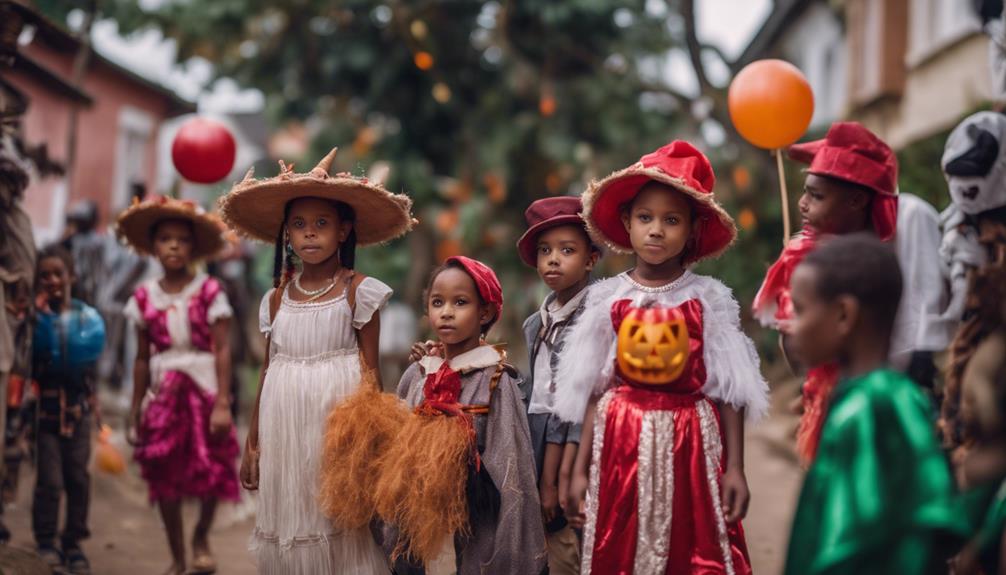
[771, 103]
[203, 151]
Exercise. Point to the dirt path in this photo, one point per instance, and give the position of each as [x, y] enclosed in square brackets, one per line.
[127, 537]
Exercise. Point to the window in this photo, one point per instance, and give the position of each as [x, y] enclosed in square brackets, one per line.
[135, 134]
[877, 38]
[938, 23]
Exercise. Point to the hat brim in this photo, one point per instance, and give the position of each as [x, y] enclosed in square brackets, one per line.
[136, 225]
[604, 200]
[254, 208]
[527, 244]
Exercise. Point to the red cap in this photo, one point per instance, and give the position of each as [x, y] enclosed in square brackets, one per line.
[679, 165]
[543, 215]
[485, 281]
[851, 153]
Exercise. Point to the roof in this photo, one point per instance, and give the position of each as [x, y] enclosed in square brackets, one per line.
[783, 14]
[60, 39]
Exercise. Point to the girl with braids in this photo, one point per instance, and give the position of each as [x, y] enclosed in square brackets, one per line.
[181, 421]
[322, 326]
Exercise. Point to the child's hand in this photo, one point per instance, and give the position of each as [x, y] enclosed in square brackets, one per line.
[424, 348]
[249, 468]
[220, 420]
[576, 511]
[735, 494]
[549, 501]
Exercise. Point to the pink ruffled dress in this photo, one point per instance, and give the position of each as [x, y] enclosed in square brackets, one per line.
[177, 456]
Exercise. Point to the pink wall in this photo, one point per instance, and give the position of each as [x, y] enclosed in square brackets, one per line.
[47, 120]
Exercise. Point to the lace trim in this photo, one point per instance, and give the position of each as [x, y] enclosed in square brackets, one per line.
[324, 356]
[288, 301]
[687, 275]
[291, 542]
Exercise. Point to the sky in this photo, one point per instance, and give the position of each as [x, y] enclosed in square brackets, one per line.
[729, 24]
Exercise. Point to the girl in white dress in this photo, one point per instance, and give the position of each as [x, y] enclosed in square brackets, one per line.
[323, 325]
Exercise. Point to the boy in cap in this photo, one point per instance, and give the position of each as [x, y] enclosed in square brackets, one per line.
[557, 245]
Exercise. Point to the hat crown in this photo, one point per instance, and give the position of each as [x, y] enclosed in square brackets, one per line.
[679, 159]
[548, 208]
[859, 140]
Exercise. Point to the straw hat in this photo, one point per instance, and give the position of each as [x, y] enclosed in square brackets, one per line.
[135, 225]
[678, 165]
[255, 207]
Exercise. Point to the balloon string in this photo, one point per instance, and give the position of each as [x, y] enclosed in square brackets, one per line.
[785, 198]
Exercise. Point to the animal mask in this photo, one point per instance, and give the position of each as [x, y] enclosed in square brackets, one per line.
[974, 163]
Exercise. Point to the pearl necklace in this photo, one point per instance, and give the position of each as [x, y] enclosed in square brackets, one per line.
[312, 294]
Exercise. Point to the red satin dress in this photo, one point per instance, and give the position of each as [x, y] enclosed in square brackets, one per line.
[653, 503]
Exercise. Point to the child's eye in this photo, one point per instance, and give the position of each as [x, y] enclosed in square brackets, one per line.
[436, 302]
[298, 224]
[461, 301]
[322, 222]
[644, 217]
[673, 220]
[543, 250]
[568, 251]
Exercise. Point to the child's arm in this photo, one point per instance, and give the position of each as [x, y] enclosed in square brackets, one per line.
[369, 336]
[548, 487]
[569, 451]
[249, 457]
[581, 468]
[734, 486]
[220, 419]
[141, 380]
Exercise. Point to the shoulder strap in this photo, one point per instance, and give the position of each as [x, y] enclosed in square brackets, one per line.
[353, 281]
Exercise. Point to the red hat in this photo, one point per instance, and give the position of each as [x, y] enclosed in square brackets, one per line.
[851, 153]
[485, 281]
[678, 165]
[546, 214]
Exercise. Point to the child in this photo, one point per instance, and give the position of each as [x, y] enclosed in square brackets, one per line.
[321, 322]
[463, 466]
[879, 496]
[180, 420]
[69, 336]
[851, 186]
[557, 245]
[662, 433]
[982, 467]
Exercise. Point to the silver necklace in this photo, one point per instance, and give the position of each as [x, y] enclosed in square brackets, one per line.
[312, 294]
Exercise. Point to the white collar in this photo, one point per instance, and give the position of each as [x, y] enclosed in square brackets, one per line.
[163, 300]
[563, 312]
[481, 357]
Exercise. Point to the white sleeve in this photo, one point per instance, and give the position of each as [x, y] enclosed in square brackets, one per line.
[733, 374]
[220, 307]
[925, 294]
[132, 312]
[264, 321]
[371, 296]
[587, 361]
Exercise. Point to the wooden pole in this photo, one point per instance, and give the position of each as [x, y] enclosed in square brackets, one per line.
[786, 230]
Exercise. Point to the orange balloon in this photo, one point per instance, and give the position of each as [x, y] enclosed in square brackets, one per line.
[770, 103]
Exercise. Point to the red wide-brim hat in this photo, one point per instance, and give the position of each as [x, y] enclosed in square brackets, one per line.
[851, 153]
[679, 165]
[543, 215]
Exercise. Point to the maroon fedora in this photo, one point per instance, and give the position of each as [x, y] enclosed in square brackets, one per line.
[545, 214]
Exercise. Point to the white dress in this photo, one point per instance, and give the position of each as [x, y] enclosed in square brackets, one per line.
[313, 364]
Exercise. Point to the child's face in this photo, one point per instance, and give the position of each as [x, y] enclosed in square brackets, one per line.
[818, 325]
[173, 244]
[454, 309]
[564, 257]
[831, 208]
[54, 280]
[315, 230]
[659, 223]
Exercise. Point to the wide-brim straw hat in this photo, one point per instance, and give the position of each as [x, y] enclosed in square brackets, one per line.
[135, 225]
[255, 208]
[678, 165]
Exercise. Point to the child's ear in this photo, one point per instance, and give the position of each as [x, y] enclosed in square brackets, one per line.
[485, 315]
[626, 218]
[344, 233]
[860, 199]
[848, 309]
[593, 259]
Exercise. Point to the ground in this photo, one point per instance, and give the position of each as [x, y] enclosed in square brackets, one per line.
[127, 537]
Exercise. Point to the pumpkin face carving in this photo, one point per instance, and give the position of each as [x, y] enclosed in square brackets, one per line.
[653, 345]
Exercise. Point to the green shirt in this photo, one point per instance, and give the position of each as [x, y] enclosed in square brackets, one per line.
[880, 497]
